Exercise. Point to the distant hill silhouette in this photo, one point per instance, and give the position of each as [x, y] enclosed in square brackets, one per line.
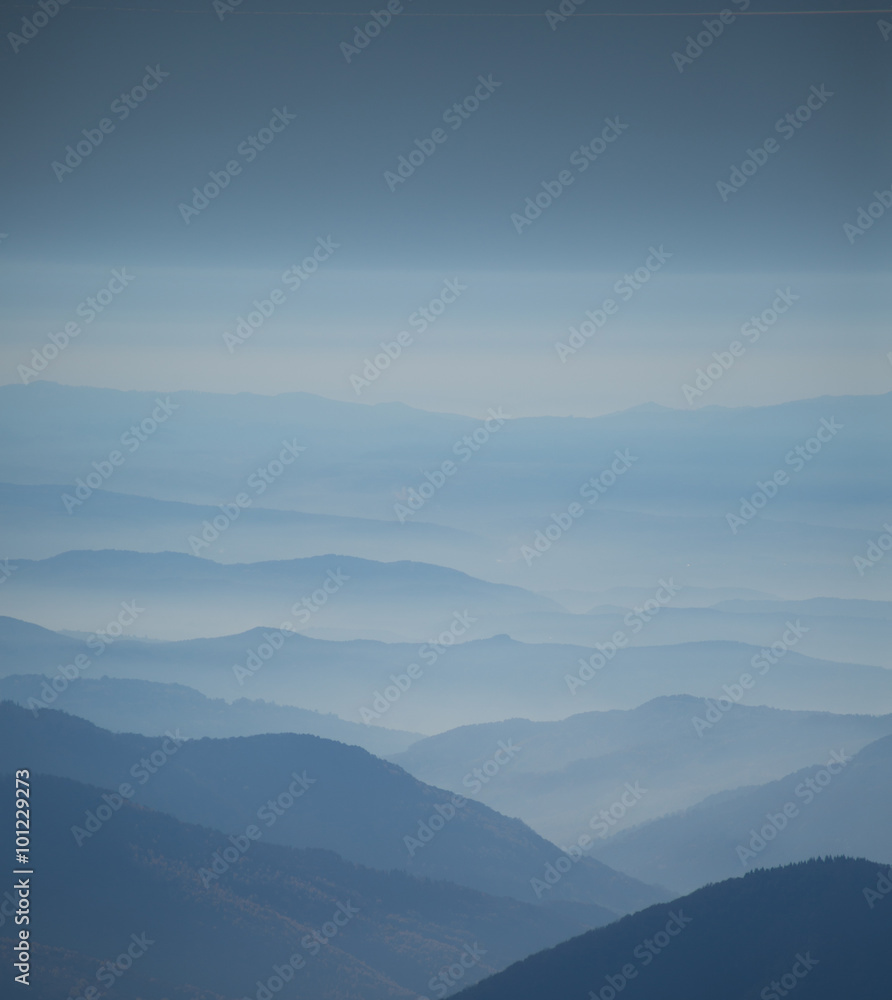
[36, 518]
[509, 679]
[851, 813]
[148, 707]
[571, 769]
[361, 459]
[183, 595]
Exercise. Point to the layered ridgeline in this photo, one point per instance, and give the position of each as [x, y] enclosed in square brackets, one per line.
[654, 485]
[130, 909]
[433, 686]
[820, 928]
[839, 806]
[46, 520]
[563, 779]
[304, 791]
[667, 610]
[177, 596]
[151, 708]
[602, 772]
[858, 631]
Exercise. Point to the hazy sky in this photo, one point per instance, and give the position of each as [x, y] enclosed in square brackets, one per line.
[543, 94]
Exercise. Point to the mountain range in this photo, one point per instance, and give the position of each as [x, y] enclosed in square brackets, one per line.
[200, 926]
[363, 462]
[150, 708]
[812, 812]
[373, 682]
[573, 776]
[305, 791]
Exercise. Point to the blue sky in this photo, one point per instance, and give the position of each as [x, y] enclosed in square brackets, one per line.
[323, 175]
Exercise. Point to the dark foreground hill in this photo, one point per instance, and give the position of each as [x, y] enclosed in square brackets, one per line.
[820, 928]
[330, 929]
[65, 975]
